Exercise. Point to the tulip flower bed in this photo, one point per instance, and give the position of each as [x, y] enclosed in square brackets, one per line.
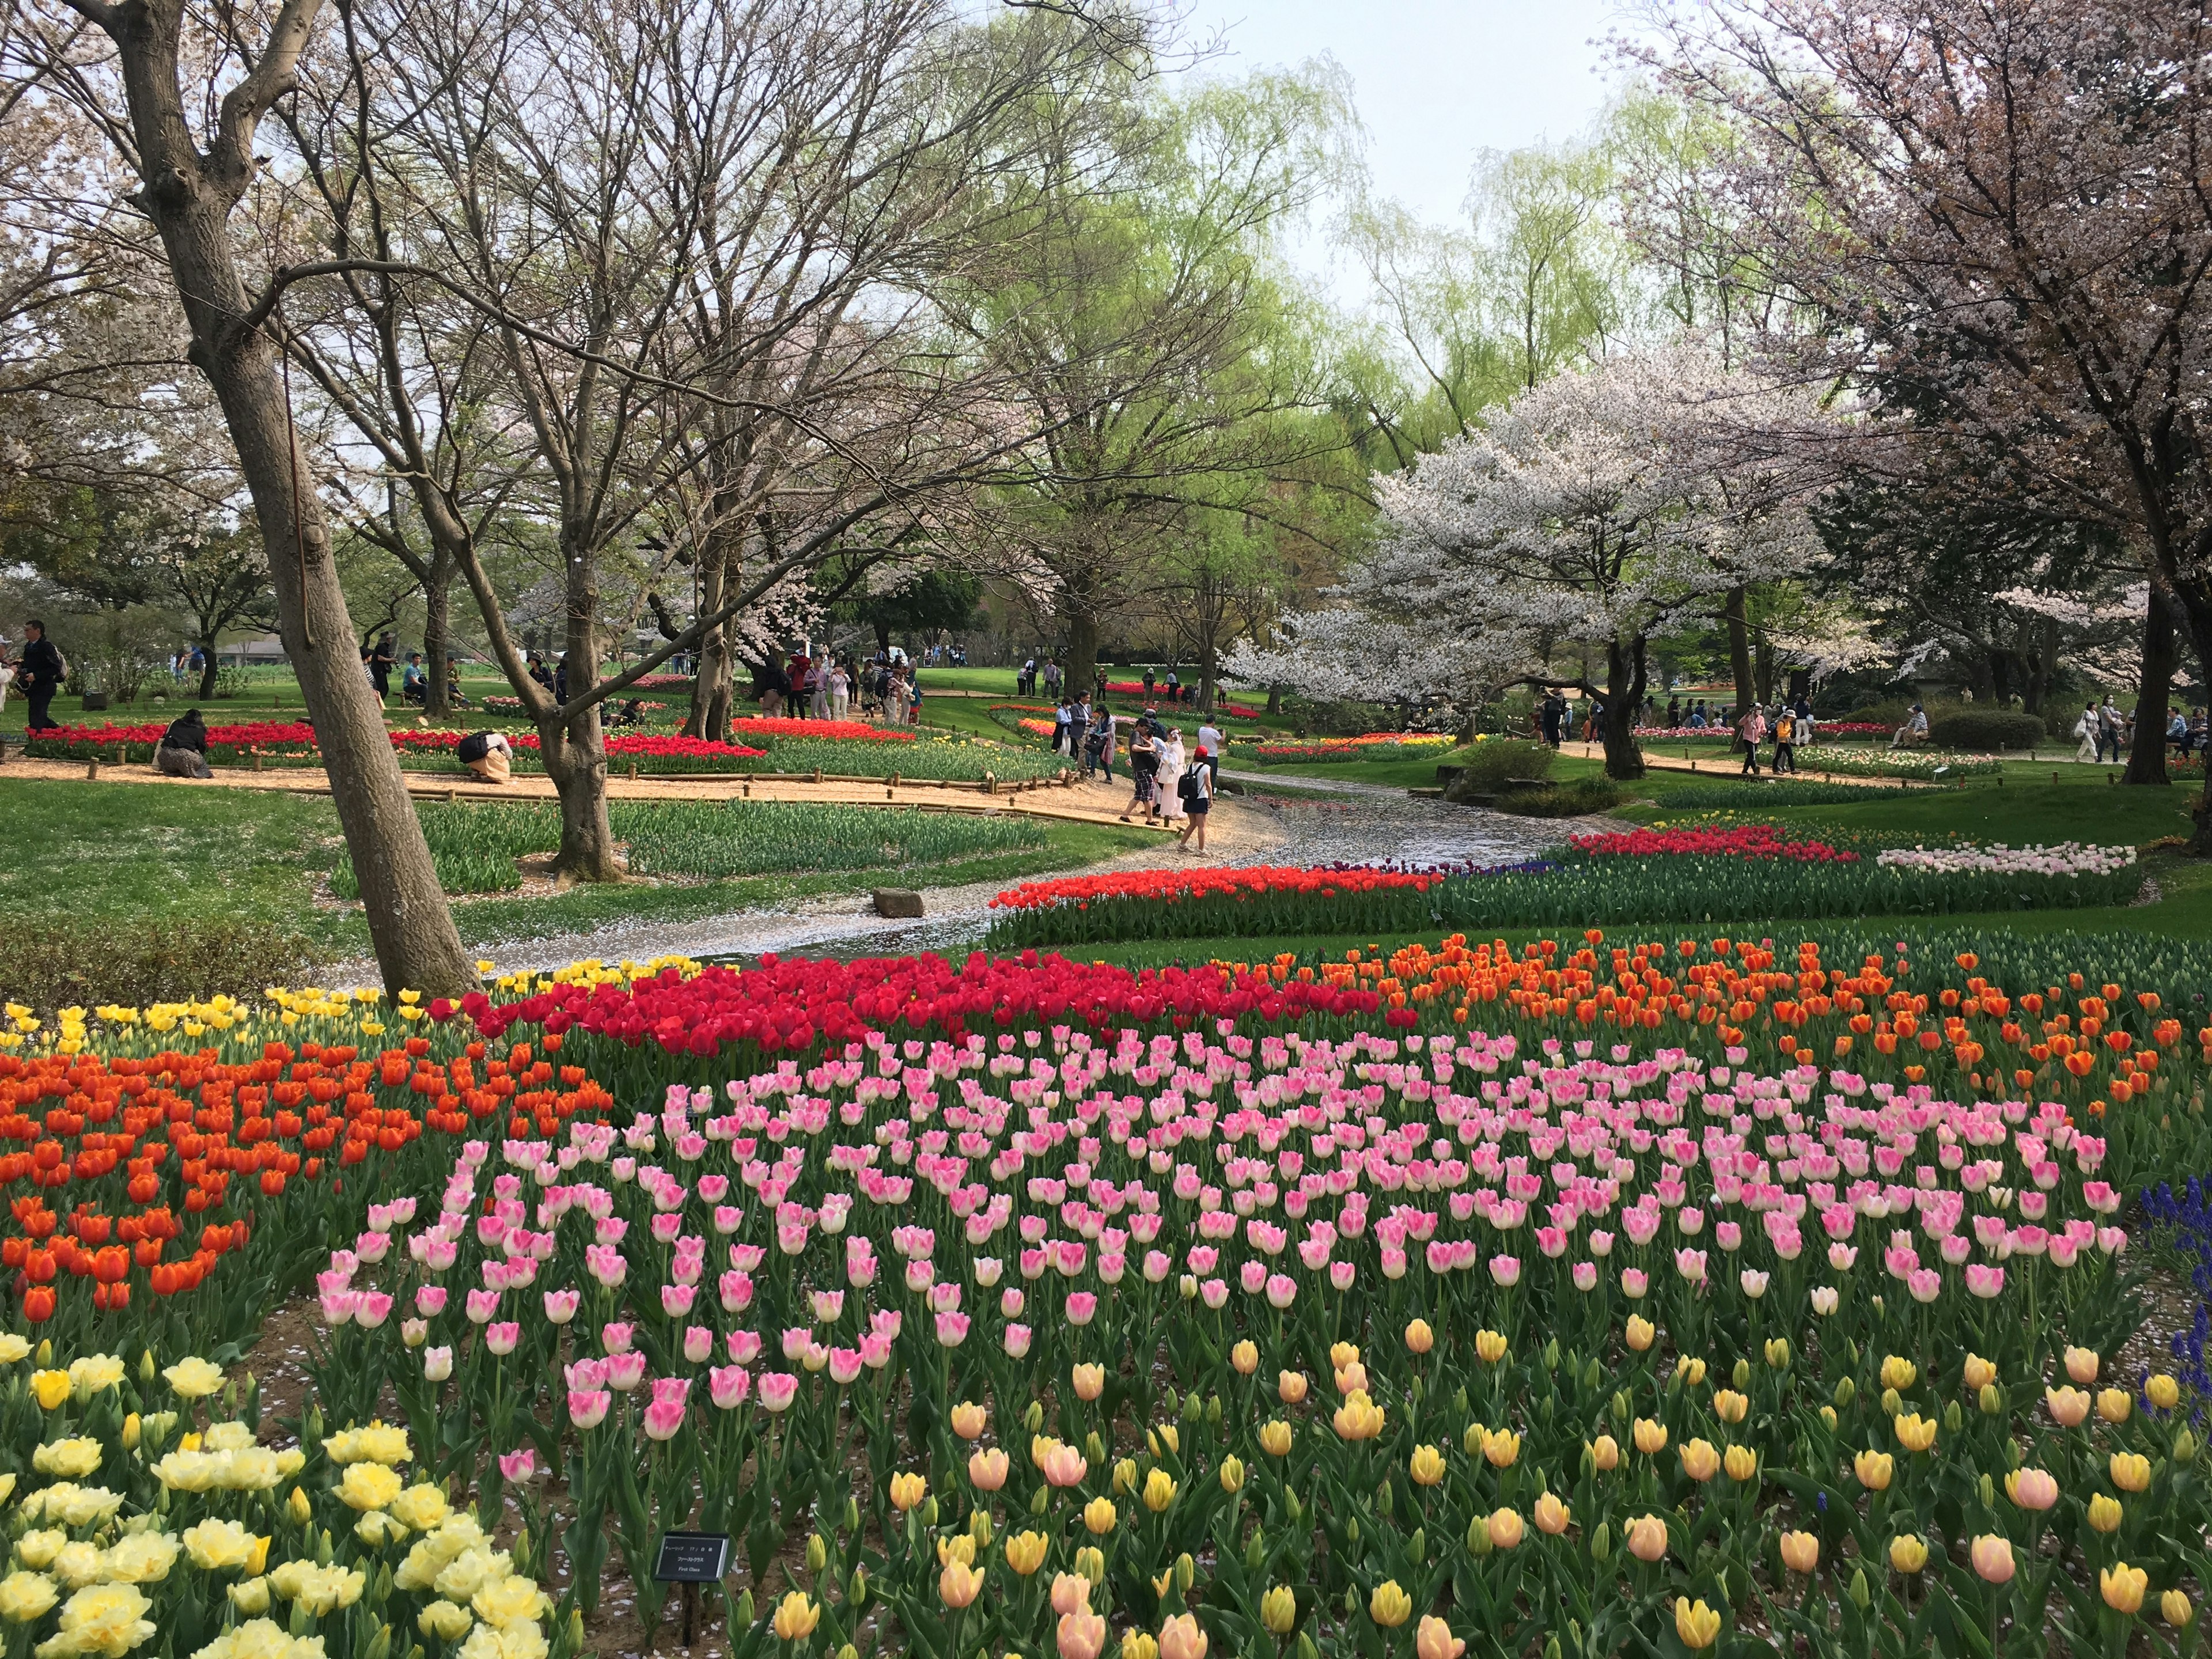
[1222, 706]
[1879, 762]
[1466, 1296]
[1376, 745]
[1742, 872]
[293, 743]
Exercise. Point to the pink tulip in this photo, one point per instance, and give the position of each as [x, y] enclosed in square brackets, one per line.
[501, 1337]
[777, 1390]
[1011, 1301]
[1992, 1558]
[588, 1408]
[1983, 1280]
[1505, 1270]
[605, 1265]
[437, 1365]
[1634, 1282]
[429, 1300]
[795, 1339]
[875, 1351]
[698, 1344]
[727, 1386]
[517, 1466]
[375, 1308]
[617, 1338]
[1843, 1257]
[952, 1330]
[1083, 1307]
[676, 1300]
[743, 1346]
[562, 1306]
[625, 1372]
[737, 1291]
[1017, 1340]
[1584, 1274]
[844, 1365]
[1215, 1294]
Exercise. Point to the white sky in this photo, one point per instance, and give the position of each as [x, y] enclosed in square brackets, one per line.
[1436, 80]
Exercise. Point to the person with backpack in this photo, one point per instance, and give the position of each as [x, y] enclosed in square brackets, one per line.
[486, 754]
[1144, 768]
[1197, 800]
[1098, 745]
[39, 675]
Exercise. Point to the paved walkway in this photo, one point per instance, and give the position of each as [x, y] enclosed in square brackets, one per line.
[1070, 803]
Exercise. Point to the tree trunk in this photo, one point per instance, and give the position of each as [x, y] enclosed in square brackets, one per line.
[1739, 638]
[2154, 692]
[1081, 668]
[709, 716]
[189, 199]
[437, 629]
[576, 761]
[1623, 695]
[209, 672]
[1275, 699]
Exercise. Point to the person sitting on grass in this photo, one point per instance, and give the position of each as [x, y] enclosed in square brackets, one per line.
[183, 751]
[487, 755]
[414, 680]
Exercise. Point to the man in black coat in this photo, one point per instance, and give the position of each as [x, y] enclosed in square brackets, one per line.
[41, 675]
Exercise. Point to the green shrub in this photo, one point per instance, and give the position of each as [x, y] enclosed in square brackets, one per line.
[1483, 766]
[61, 963]
[1572, 799]
[1987, 730]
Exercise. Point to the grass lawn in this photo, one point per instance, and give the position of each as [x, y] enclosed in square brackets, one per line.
[117, 856]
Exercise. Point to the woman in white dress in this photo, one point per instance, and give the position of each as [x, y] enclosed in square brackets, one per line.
[1169, 795]
[2086, 729]
[840, 692]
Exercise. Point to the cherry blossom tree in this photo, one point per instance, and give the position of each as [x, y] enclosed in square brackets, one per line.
[1993, 213]
[1600, 509]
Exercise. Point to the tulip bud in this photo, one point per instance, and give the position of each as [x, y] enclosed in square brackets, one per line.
[325, 1549]
[1255, 1555]
[1351, 1531]
[2184, 1449]
[1892, 1403]
[1862, 1596]
[1090, 1562]
[929, 1511]
[1306, 1648]
[303, 1619]
[1846, 1391]
[1418, 1546]
[1039, 1500]
[1552, 1355]
[1988, 1492]
[818, 1554]
[1185, 1572]
[1620, 1406]
[576, 1629]
[849, 1652]
[1828, 1415]
[296, 1506]
[1034, 1418]
[852, 1515]
[1293, 1508]
[145, 1364]
[1384, 1502]
[379, 1645]
[1278, 1610]
[745, 1614]
[856, 1588]
[1417, 1391]
[1094, 1448]
[1193, 1407]
[1602, 1542]
[1741, 1375]
[1478, 1538]
[1991, 1399]
[1551, 1647]
[979, 1529]
[1953, 1418]
[1592, 1375]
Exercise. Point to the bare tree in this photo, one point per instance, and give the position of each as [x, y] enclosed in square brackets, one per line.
[193, 152]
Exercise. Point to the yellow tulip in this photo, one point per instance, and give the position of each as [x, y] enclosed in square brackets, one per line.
[1291, 1387]
[1159, 1491]
[1646, 1538]
[1434, 1640]
[1899, 1373]
[1916, 1433]
[1692, 1371]
[1341, 1354]
[1874, 1469]
[2163, 1392]
[1390, 1607]
[1098, 1516]
[1275, 1438]
[1729, 1406]
[1800, 1551]
[907, 1492]
[968, 1420]
[1505, 1528]
[2104, 1512]
[1640, 1332]
[1697, 1625]
[1741, 1462]
[2130, 1471]
[2123, 1587]
[958, 1584]
[1089, 1382]
[2173, 1605]
[1700, 1460]
[2115, 1405]
[1420, 1338]
[1501, 1448]
[1551, 1516]
[1650, 1437]
[1232, 1475]
[1604, 1453]
[1025, 1552]
[1427, 1467]
[1245, 1356]
[797, 1615]
[1490, 1347]
[1908, 1553]
[1358, 1418]
[1182, 1637]
[1278, 1610]
[1979, 1373]
[53, 1388]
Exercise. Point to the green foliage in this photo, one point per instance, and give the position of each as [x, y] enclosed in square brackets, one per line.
[85, 961]
[1988, 729]
[1577, 798]
[1484, 765]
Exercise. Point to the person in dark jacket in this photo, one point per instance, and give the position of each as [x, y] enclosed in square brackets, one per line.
[183, 751]
[41, 674]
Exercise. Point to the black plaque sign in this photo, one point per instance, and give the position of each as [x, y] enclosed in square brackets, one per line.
[692, 1558]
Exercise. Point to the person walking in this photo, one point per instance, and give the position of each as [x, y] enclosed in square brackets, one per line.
[1550, 711]
[840, 692]
[1144, 768]
[1079, 727]
[1209, 748]
[1168, 786]
[1673, 714]
[2109, 725]
[39, 675]
[1197, 800]
[1785, 740]
[1751, 732]
[2088, 731]
[183, 751]
[381, 661]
